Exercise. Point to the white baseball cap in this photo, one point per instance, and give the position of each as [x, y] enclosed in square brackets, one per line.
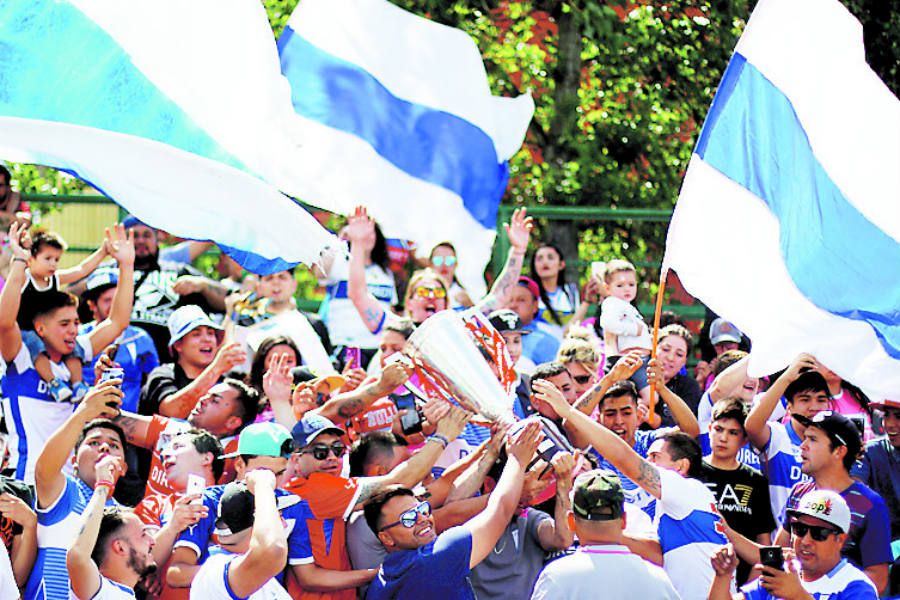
[185, 319]
[824, 505]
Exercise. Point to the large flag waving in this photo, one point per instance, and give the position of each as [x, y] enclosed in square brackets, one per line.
[176, 110]
[397, 114]
[788, 223]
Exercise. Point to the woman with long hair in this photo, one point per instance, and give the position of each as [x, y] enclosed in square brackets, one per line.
[268, 350]
[443, 260]
[559, 300]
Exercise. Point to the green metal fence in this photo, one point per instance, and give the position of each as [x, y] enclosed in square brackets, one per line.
[49, 203]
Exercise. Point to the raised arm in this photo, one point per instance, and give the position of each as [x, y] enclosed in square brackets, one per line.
[414, 470]
[49, 480]
[268, 541]
[611, 446]
[682, 414]
[728, 381]
[122, 249]
[179, 404]
[85, 267]
[212, 291]
[84, 574]
[136, 428]
[487, 526]
[757, 423]
[349, 404]
[624, 368]
[11, 296]
[555, 535]
[359, 227]
[518, 231]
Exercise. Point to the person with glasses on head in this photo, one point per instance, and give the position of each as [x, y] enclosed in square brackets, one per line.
[421, 563]
[443, 260]
[580, 357]
[814, 567]
[317, 463]
[426, 293]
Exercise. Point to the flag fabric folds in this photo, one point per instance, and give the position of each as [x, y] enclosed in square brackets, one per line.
[397, 114]
[176, 110]
[788, 221]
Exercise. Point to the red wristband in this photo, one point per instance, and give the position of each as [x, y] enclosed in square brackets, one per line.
[109, 485]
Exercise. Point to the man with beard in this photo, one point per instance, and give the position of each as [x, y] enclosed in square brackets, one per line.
[112, 552]
[161, 285]
[223, 411]
[99, 446]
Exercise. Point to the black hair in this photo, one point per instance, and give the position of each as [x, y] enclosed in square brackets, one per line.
[372, 510]
[205, 442]
[49, 239]
[370, 447]
[248, 401]
[51, 301]
[547, 370]
[620, 389]
[258, 366]
[680, 445]
[5, 172]
[445, 244]
[809, 381]
[560, 281]
[101, 424]
[730, 408]
[380, 255]
[667, 317]
[404, 327]
[111, 522]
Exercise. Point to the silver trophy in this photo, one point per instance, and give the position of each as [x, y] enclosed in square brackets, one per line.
[447, 356]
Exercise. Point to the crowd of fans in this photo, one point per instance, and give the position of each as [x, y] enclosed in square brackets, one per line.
[173, 436]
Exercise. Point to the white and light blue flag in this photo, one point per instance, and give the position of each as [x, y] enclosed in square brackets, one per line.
[176, 110]
[788, 222]
[397, 114]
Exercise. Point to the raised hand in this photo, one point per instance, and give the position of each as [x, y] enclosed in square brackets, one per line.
[523, 445]
[228, 357]
[277, 381]
[359, 225]
[802, 363]
[303, 400]
[102, 401]
[394, 375]
[518, 230]
[120, 244]
[189, 284]
[724, 561]
[626, 366]
[453, 423]
[109, 468]
[185, 513]
[564, 467]
[17, 233]
[260, 479]
[549, 393]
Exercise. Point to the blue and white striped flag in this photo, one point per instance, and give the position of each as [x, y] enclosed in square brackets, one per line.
[397, 115]
[176, 110]
[788, 223]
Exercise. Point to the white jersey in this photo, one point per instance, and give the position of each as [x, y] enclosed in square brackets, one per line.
[345, 326]
[690, 530]
[843, 582]
[587, 574]
[211, 581]
[110, 590]
[782, 466]
[8, 587]
[32, 414]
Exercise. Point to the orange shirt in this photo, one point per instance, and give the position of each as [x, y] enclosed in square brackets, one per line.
[331, 499]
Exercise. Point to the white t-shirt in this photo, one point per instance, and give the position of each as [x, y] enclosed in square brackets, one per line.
[345, 326]
[607, 571]
[690, 530]
[623, 320]
[211, 581]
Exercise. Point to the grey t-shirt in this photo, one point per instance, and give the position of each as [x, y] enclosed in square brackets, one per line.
[514, 564]
[365, 551]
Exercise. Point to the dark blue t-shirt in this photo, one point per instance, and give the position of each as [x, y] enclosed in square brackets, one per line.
[438, 571]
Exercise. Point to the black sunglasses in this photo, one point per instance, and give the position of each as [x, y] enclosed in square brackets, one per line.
[582, 379]
[320, 451]
[819, 534]
[408, 519]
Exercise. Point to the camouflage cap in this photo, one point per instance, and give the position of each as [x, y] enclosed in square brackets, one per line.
[598, 496]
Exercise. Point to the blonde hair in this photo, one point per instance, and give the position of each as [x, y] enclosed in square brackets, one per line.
[578, 350]
[617, 265]
[423, 275]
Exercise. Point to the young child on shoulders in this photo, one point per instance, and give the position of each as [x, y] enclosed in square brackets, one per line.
[623, 326]
[43, 276]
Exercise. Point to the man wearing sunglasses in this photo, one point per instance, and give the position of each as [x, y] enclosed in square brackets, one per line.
[818, 526]
[317, 463]
[421, 563]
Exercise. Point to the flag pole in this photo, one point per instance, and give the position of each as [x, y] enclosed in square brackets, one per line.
[652, 418]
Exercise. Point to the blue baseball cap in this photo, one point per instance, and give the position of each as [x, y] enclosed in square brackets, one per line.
[311, 426]
[132, 221]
